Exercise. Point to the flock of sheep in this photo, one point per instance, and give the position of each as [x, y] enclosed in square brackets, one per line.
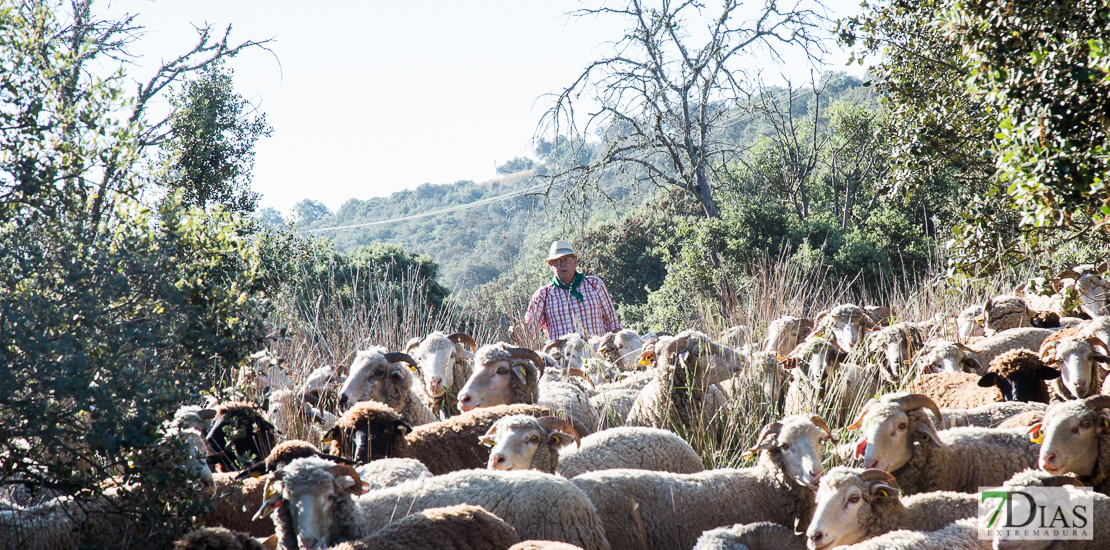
[451, 445]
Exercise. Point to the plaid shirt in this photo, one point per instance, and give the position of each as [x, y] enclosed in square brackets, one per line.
[557, 312]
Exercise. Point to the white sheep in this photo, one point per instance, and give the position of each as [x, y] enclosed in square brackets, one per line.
[855, 504]
[445, 365]
[1075, 356]
[784, 333]
[945, 356]
[752, 536]
[377, 375]
[847, 322]
[896, 346]
[644, 509]
[538, 506]
[621, 349]
[1076, 440]
[900, 437]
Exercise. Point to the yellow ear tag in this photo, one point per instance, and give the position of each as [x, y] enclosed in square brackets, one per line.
[555, 438]
[1105, 423]
[644, 361]
[413, 369]
[521, 372]
[1037, 437]
[883, 492]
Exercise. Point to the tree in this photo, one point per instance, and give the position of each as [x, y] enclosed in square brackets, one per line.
[309, 211]
[518, 164]
[270, 216]
[668, 89]
[110, 316]
[209, 151]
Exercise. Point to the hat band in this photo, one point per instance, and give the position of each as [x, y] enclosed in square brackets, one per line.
[563, 251]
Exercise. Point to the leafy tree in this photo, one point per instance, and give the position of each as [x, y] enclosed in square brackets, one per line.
[270, 216]
[518, 164]
[309, 211]
[110, 316]
[210, 148]
[667, 90]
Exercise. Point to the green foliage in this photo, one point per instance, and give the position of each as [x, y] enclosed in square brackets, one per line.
[518, 164]
[111, 315]
[309, 211]
[210, 150]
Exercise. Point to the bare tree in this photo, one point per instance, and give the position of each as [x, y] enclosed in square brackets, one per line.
[676, 77]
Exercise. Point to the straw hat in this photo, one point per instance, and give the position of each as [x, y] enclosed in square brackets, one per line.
[560, 249]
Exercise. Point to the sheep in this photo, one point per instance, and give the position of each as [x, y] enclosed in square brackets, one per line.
[991, 415]
[810, 364]
[550, 450]
[445, 365]
[642, 509]
[1023, 420]
[896, 346]
[784, 333]
[543, 545]
[1076, 357]
[291, 413]
[1098, 327]
[961, 535]
[570, 351]
[442, 447]
[240, 436]
[1087, 281]
[284, 453]
[899, 437]
[218, 538]
[461, 527]
[847, 322]
[682, 393]
[753, 536]
[1076, 440]
[265, 374]
[621, 349]
[1098, 519]
[376, 375]
[1003, 313]
[506, 375]
[944, 356]
[736, 337]
[955, 390]
[538, 506]
[522, 442]
[1020, 375]
[612, 406]
[855, 504]
[320, 385]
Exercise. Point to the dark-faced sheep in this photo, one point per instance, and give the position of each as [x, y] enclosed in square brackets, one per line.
[376, 375]
[240, 436]
[1020, 375]
[367, 431]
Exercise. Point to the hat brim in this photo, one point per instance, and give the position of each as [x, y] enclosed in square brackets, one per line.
[552, 258]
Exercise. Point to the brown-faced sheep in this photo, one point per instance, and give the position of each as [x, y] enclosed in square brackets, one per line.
[445, 365]
[376, 375]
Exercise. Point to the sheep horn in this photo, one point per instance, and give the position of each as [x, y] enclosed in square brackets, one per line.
[396, 356]
[965, 348]
[335, 458]
[915, 401]
[820, 423]
[267, 506]
[1097, 402]
[345, 470]
[675, 346]
[531, 355]
[1096, 341]
[862, 414]
[878, 475]
[464, 338]
[808, 323]
[766, 535]
[557, 343]
[413, 344]
[551, 423]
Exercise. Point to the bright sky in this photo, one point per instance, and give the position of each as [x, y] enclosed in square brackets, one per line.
[369, 98]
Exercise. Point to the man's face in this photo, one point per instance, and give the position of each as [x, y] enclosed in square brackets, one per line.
[564, 267]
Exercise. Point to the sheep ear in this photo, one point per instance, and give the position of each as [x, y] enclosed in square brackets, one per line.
[1103, 424]
[924, 433]
[402, 426]
[1046, 373]
[1036, 435]
[988, 380]
[559, 439]
[971, 362]
[521, 373]
[331, 436]
[1100, 358]
[882, 491]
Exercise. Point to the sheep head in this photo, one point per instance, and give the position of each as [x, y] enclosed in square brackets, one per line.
[891, 426]
[314, 490]
[369, 431]
[849, 501]
[503, 375]
[816, 358]
[518, 440]
[784, 333]
[240, 435]
[1075, 356]
[848, 323]
[437, 354]
[376, 375]
[969, 323]
[945, 356]
[702, 361]
[794, 445]
[1072, 434]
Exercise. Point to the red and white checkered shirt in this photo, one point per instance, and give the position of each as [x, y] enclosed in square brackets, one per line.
[558, 312]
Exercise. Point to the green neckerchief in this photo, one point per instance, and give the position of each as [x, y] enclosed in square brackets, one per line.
[573, 288]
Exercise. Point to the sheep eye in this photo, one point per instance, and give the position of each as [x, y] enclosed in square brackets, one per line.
[902, 426]
[1086, 424]
[784, 447]
[853, 499]
[502, 370]
[379, 374]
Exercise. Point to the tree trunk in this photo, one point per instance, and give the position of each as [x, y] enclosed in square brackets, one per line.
[705, 196]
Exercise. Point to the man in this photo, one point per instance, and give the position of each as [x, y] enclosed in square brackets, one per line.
[572, 302]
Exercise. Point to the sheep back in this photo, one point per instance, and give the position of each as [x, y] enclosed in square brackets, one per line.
[954, 390]
[451, 445]
[970, 458]
[539, 506]
[461, 527]
[236, 501]
[387, 472]
[212, 538]
[629, 447]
